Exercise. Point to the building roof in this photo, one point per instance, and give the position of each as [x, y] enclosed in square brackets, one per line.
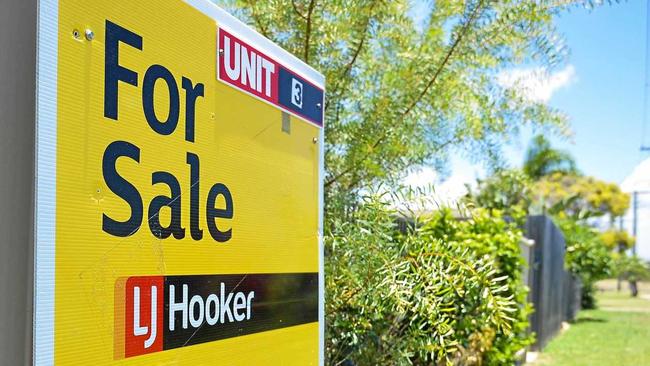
[639, 180]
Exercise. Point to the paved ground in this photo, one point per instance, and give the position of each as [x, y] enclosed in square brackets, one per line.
[610, 285]
[623, 303]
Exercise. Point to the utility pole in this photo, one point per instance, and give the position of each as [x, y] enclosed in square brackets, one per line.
[635, 216]
[635, 208]
[619, 279]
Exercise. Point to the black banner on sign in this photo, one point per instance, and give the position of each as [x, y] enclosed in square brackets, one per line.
[300, 96]
[207, 308]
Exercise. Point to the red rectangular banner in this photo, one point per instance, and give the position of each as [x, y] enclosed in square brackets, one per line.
[247, 68]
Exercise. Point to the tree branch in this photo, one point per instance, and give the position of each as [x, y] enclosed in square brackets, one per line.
[295, 8]
[308, 19]
[346, 71]
[348, 67]
[258, 22]
[438, 148]
[354, 182]
[472, 17]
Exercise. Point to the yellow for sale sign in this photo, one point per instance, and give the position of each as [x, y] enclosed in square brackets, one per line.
[179, 191]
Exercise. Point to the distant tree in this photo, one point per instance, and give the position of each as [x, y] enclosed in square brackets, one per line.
[580, 197]
[542, 159]
[627, 267]
[633, 269]
[618, 240]
[508, 191]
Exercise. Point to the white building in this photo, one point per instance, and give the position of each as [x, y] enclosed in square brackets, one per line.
[639, 182]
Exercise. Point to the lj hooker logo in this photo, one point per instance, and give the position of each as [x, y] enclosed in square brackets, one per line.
[144, 315]
[156, 313]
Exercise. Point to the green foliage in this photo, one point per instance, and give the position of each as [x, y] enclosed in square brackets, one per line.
[488, 234]
[542, 159]
[569, 198]
[444, 291]
[586, 256]
[580, 197]
[507, 191]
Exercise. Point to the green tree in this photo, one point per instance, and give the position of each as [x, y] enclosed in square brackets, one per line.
[542, 159]
[580, 197]
[506, 190]
[632, 269]
[401, 91]
[628, 267]
[618, 240]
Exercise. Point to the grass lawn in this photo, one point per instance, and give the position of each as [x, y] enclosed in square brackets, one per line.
[616, 334]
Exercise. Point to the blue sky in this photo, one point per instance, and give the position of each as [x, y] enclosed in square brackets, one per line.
[605, 100]
[600, 89]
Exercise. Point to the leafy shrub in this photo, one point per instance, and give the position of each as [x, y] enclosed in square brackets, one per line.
[443, 291]
[487, 233]
[587, 256]
[506, 190]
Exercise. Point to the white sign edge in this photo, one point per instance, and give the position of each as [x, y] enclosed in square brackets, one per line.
[45, 182]
[321, 248]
